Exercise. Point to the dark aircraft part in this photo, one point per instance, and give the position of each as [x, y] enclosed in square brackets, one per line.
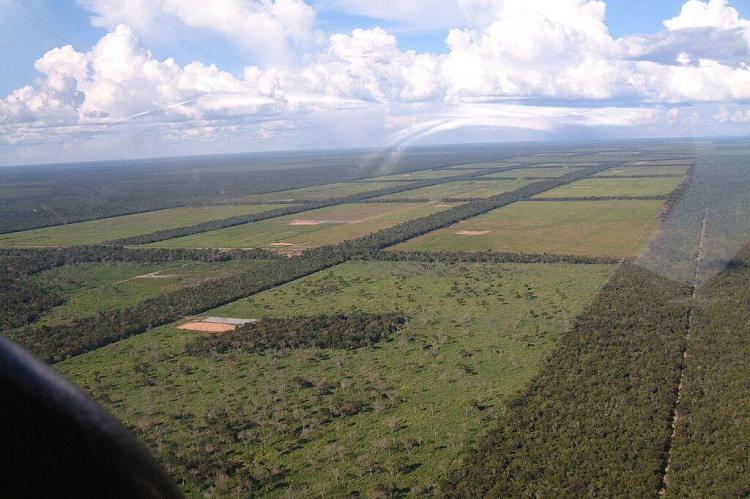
[56, 442]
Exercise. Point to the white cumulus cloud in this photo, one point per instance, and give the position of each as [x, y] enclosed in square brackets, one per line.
[711, 13]
[525, 64]
[266, 27]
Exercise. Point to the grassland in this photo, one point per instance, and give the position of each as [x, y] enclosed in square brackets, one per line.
[593, 228]
[312, 228]
[543, 172]
[459, 190]
[240, 423]
[98, 231]
[615, 187]
[316, 193]
[424, 174]
[629, 171]
[92, 288]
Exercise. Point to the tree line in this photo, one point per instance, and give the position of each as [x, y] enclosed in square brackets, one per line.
[596, 420]
[323, 331]
[26, 261]
[601, 198]
[487, 257]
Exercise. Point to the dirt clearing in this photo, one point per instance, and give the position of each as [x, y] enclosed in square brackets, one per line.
[473, 232]
[307, 222]
[215, 324]
[207, 327]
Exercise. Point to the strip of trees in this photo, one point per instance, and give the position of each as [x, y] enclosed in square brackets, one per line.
[23, 261]
[601, 198]
[596, 421]
[322, 331]
[487, 257]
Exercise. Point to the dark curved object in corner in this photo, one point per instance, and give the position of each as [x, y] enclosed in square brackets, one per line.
[56, 442]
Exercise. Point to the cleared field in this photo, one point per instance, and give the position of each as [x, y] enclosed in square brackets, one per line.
[316, 193]
[614, 187]
[426, 174]
[593, 228]
[98, 231]
[544, 172]
[327, 423]
[312, 228]
[97, 287]
[461, 189]
[629, 171]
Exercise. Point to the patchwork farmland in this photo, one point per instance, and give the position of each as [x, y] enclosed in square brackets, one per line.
[495, 322]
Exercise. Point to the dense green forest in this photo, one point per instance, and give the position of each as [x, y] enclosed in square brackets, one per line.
[710, 455]
[597, 420]
[23, 301]
[323, 331]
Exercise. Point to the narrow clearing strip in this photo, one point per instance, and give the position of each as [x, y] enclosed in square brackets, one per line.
[675, 409]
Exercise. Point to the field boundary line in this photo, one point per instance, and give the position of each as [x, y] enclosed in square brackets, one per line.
[683, 363]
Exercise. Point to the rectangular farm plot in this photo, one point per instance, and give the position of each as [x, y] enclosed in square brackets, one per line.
[460, 190]
[92, 288]
[313, 228]
[591, 228]
[106, 229]
[425, 174]
[629, 171]
[614, 187]
[544, 172]
[317, 193]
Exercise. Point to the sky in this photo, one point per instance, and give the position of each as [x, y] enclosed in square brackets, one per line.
[115, 79]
